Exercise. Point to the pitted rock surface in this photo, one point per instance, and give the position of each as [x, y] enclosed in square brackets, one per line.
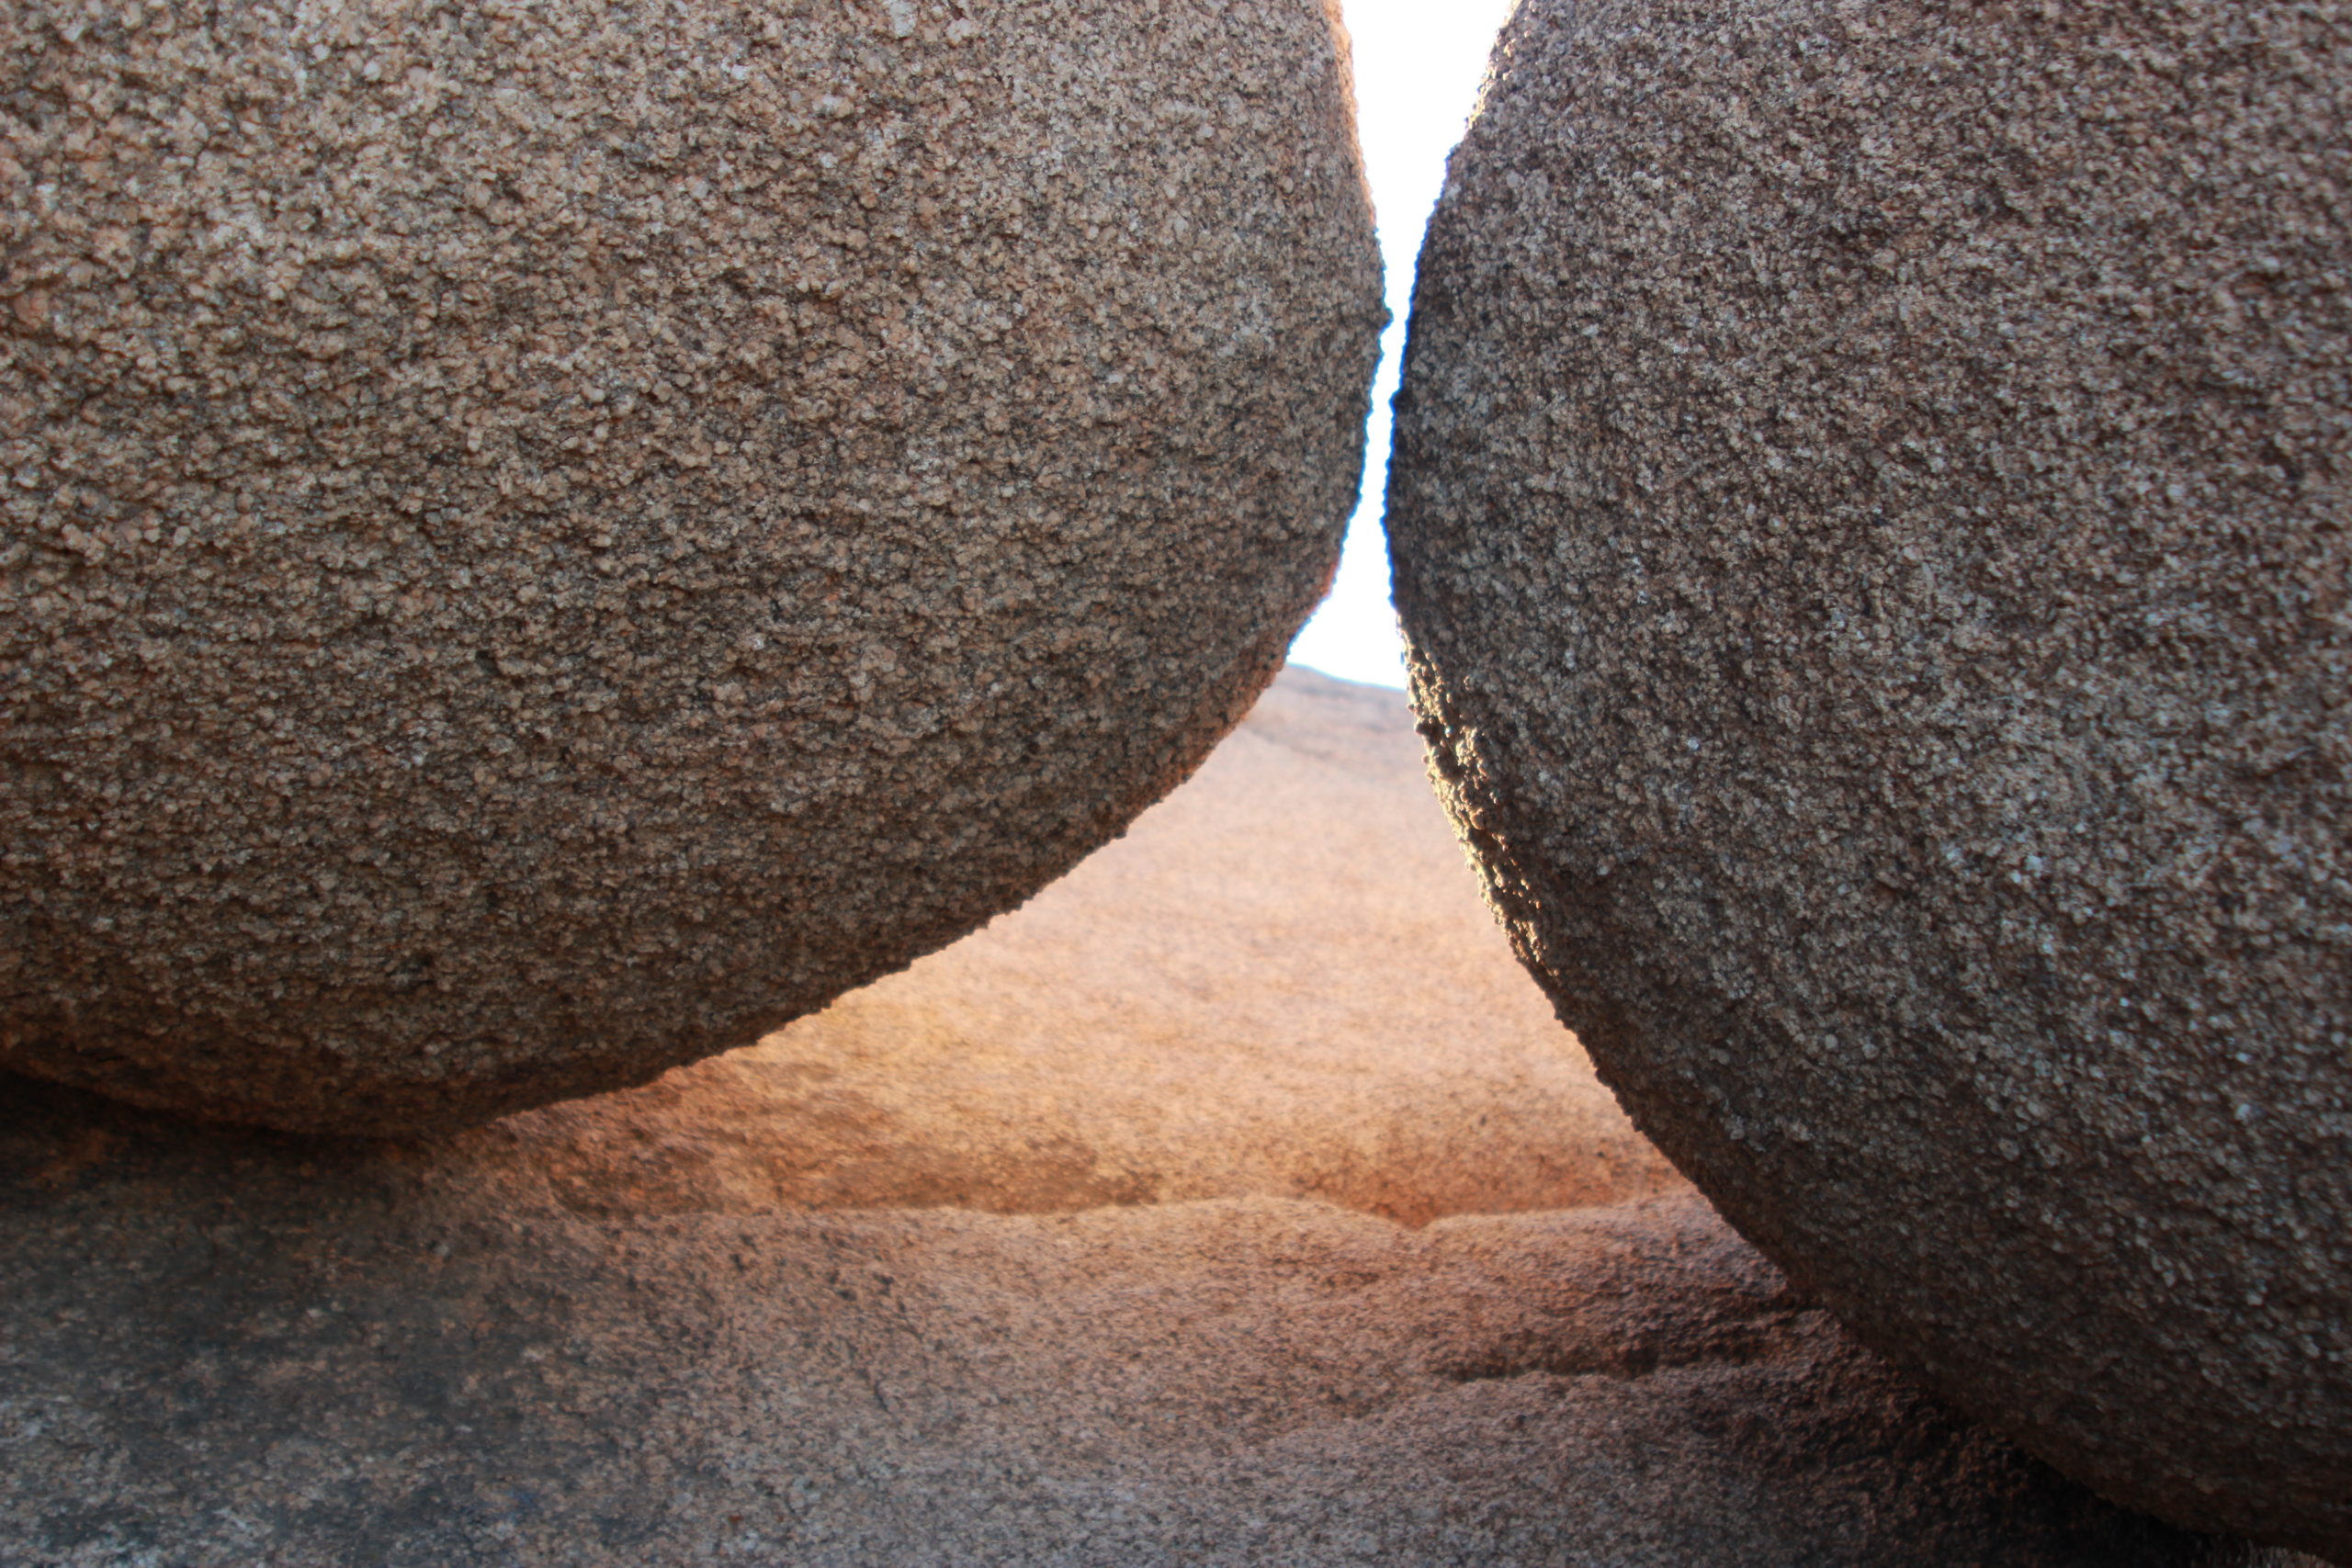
[1075, 1244]
[1869, 515]
[542, 542]
[225, 1348]
[1279, 982]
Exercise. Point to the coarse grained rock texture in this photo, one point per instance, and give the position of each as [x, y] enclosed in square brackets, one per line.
[754, 1312]
[544, 541]
[1868, 514]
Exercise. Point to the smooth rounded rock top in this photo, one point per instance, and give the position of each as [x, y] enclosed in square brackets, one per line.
[542, 542]
[1870, 515]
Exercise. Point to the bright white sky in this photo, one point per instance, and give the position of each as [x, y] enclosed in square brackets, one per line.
[1418, 68]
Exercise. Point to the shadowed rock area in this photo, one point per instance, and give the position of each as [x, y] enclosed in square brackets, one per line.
[646, 1330]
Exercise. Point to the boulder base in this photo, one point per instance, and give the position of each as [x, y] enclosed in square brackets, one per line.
[923, 1279]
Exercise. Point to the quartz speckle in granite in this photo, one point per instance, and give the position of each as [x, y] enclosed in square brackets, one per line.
[1170, 1219]
[1868, 514]
[541, 542]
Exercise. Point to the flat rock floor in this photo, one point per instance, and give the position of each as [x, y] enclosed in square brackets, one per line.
[1235, 1202]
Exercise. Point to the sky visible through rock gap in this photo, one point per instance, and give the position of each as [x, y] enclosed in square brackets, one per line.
[1418, 64]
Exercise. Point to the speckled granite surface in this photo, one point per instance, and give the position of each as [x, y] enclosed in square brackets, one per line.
[543, 541]
[1870, 513]
[755, 1312]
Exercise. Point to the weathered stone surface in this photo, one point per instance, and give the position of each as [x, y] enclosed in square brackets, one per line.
[644, 1329]
[545, 541]
[1280, 983]
[1870, 517]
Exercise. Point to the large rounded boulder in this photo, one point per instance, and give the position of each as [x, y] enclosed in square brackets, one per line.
[542, 542]
[1870, 515]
